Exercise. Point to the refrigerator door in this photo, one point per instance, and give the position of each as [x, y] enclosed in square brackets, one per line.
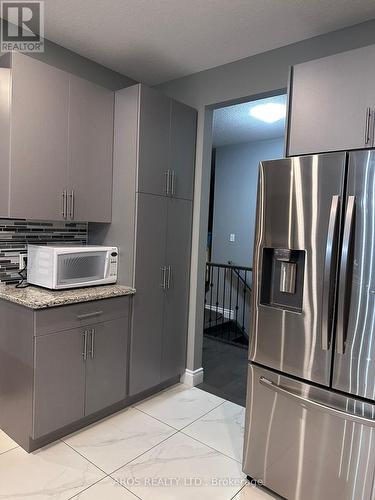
[354, 361]
[308, 443]
[295, 263]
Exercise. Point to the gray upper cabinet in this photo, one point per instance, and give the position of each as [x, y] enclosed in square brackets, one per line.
[166, 145]
[177, 294]
[154, 131]
[57, 140]
[59, 381]
[105, 365]
[182, 150]
[39, 138]
[90, 151]
[332, 103]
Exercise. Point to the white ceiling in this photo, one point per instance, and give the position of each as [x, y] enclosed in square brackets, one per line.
[158, 40]
[234, 124]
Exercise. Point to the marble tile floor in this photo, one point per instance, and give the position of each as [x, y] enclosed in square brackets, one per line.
[183, 443]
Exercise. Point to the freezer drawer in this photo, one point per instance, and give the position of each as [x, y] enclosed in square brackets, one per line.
[307, 443]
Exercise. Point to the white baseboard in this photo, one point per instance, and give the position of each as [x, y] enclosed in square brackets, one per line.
[227, 313]
[192, 377]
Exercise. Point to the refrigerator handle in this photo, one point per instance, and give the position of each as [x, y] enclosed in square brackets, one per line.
[306, 402]
[329, 261]
[344, 284]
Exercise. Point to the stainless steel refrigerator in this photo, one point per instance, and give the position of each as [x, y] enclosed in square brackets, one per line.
[310, 417]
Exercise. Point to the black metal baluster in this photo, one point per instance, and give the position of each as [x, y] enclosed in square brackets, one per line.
[223, 304]
[211, 287]
[217, 293]
[244, 302]
[238, 289]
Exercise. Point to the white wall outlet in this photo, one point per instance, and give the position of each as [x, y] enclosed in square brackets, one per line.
[232, 237]
[22, 260]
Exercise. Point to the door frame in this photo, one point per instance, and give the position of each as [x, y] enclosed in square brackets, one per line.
[202, 180]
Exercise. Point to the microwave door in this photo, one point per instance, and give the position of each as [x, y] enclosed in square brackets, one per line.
[298, 222]
[81, 268]
[354, 359]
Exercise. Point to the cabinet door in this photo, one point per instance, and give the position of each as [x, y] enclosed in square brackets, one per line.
[148, 302]
[106, 364]
[90, 151]
[59, 381]
[177, 295]
[329, 101]
[182, 149]
[39, 139]
[154, 136]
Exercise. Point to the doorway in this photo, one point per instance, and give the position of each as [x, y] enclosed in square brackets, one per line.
[243, 135]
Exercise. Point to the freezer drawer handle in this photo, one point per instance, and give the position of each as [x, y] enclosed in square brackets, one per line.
[335, 412]
[345, 282]
[329, 269]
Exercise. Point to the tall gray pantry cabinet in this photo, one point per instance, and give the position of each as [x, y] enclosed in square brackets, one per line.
[154, 156]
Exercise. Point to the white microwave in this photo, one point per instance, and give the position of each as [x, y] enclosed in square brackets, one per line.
[59, 267]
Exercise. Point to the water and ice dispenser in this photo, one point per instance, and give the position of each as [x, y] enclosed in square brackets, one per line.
[282, 278]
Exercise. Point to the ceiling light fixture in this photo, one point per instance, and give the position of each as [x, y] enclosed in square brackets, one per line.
[269, 113]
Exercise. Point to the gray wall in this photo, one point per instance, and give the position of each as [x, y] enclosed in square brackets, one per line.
[65, 59]
[236, 179]
[254, 76]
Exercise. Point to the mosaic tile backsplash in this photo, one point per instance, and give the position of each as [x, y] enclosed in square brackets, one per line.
[16, 234]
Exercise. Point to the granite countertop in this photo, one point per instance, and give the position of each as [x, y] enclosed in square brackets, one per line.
[41, 298]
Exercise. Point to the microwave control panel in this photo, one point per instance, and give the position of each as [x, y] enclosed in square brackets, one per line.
[113, 264]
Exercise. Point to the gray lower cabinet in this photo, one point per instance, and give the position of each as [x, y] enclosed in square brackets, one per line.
[158, 342]
[173, 360]
[148, 305]
[59, 393]
[106, 359]
[52, 380]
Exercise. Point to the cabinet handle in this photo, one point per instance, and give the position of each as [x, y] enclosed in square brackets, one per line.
[173, 183]
[89, 315]
[169, 277]
[367, 126]
[92, 333]
[167, 182]
[164, 278]
[71, 205]
[84, 353]
[64, 200]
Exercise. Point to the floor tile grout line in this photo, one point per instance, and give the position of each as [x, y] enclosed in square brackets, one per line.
[204, 414]
[157, 419]
[88, 487]
[190, 423]
[83, 456]
[127, 489]
[10, 449]
[135, 458]
[212, 448]
[239, 491]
